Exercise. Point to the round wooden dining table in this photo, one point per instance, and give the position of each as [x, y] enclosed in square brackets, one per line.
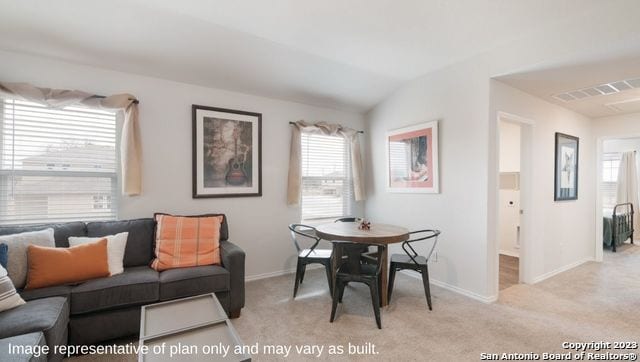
[380, 235]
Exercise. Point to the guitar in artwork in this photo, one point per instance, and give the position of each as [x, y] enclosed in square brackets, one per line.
[235, 170]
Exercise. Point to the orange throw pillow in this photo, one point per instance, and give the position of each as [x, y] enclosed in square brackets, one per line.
[183, 241]
[55, 266]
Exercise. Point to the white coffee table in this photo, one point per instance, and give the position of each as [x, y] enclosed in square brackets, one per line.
[195, 324]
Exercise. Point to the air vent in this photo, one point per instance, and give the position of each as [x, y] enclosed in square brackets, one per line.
[598, 90]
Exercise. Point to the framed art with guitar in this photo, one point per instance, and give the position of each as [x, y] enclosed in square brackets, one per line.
[227, 157]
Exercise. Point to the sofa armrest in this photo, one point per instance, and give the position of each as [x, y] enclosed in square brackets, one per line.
[233, 260]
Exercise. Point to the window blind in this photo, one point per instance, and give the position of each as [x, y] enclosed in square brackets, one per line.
[327, 187]
[56, 165]
[609, 185]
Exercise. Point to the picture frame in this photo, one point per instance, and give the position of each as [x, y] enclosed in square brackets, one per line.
[226, 152]
[412, 159]
[566, 167]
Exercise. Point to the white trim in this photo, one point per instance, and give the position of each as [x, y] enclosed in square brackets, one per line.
[509, 253]
[562, 269]
[278, 273]
[453, 288]
[515, 118]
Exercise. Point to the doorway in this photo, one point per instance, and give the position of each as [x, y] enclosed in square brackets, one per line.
[509, 204]
[618, 188]
[513, 197]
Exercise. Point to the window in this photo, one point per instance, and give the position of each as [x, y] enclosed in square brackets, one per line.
[610, 164]
[327, 189]
[56, 165]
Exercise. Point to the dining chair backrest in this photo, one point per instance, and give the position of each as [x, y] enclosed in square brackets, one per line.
[353, 255]
[420, 235]
[299, 231]
[346, 219]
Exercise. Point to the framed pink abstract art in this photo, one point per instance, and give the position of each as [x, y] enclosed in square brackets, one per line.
[412, 159]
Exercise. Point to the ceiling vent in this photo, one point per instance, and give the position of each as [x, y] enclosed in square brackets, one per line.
[598, 90]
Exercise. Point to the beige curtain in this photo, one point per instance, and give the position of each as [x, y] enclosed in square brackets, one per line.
[627, 184]
[295, 157]
[130, 149]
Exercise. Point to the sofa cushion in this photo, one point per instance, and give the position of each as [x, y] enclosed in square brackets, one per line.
[39, 293]
[9, 298]
[116, 245]
[140, 241]
[57, 266]
[183, 241]
[35, 341]
[4, 255]
[224, 227]
[61, 232]
[136, 286]
[49, 316]
[19, 244]
[184, 282]
[92, 328]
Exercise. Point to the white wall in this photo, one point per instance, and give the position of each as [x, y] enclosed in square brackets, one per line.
[258, 225]
[457, 96]
[509, 199]
[509, 147]
[562, 234]
[621, 126]
[621, 145]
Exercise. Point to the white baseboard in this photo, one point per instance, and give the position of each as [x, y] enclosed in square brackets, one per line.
[510, 253]
[278, 273]
[453, 288]
[410, 273]
[548, 275]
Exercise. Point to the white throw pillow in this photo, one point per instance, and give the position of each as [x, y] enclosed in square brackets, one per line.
[17, 266]
[9, 298]
[115, 249]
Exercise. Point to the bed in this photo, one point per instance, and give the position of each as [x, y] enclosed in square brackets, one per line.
[618, 225]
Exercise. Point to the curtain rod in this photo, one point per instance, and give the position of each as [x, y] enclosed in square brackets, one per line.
[295, 123]
[135, 101]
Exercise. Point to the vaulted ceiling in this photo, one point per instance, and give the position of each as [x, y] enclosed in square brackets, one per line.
[335, 53]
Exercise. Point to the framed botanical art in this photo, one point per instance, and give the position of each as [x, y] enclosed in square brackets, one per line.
[412, 159]
[227, 156]
[566, 167]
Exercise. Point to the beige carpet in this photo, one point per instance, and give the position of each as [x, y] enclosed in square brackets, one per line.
[593, 302]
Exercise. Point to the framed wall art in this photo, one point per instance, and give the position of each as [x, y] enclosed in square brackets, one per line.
[566, 167]
[412, 159]
[227, 158]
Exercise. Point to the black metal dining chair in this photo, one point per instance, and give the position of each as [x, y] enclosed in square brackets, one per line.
[412, 261]
[309, 255]
[353, 269]
[368, 255]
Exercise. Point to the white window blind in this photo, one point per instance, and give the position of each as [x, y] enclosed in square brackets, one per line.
[610, 165]
[327, 189]
[56, 165]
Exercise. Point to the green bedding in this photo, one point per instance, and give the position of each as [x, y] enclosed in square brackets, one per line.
[624, 231]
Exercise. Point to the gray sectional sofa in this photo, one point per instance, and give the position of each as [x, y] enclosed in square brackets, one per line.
[103, 309]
